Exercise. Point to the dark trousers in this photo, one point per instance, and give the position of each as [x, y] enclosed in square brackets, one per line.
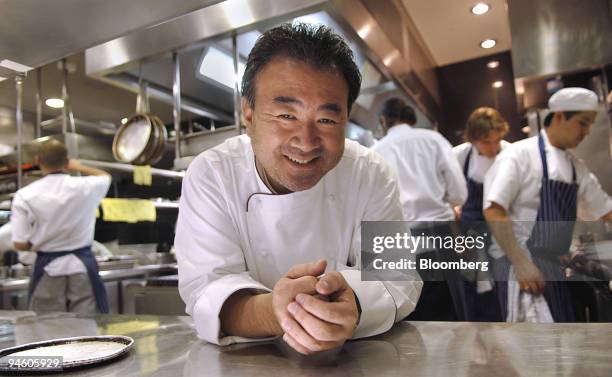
[443, 295]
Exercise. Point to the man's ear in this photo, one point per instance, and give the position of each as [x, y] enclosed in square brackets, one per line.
[247, 114]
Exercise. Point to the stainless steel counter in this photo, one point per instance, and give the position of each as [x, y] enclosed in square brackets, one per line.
[109, 275]
[168, 346]
[14, 291]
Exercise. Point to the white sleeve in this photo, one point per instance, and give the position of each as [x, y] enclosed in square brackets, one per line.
[211, 264]
[502, 182]
[22, 220]
[383, 303]
[99, 185]
[591, 195]
[456, 187]
[461, 152]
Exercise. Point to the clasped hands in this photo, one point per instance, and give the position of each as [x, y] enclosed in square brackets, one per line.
[314, 313]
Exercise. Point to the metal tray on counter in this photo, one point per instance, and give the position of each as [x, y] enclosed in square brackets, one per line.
[63, 354]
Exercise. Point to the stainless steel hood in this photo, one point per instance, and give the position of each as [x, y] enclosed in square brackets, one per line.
[34, 33]
[402, 61]
[551, 37]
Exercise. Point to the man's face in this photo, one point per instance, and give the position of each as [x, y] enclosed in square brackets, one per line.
[570, 132]
[297, 124]
[490, 144]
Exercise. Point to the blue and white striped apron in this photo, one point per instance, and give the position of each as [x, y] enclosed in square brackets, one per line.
[550, 238]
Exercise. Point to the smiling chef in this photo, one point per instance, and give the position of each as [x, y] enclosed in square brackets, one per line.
[262, 216]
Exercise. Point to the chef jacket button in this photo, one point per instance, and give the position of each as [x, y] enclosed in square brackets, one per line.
[331, 198]
[264, 253]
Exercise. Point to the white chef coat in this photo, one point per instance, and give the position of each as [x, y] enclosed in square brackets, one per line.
[515, 179]
[233, 233]
[479, 164]
[57, 213]
[430, 178]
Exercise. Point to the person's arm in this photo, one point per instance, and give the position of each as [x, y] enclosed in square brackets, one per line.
[253, 314]
[22, 246]
[529, 277]
[592, 196]
[77, 167]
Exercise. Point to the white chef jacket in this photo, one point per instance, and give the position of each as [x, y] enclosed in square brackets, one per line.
[233, 233]
[57, 213]
[430, 179]
[515, 179]
[479, 164]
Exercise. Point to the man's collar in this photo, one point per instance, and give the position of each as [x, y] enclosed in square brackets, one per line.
[398, 128]
[263, 176]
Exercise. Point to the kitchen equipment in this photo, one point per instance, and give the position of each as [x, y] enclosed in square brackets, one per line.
[142, 139]
[74, 352]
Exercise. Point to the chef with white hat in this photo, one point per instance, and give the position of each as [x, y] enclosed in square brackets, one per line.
[538, 185]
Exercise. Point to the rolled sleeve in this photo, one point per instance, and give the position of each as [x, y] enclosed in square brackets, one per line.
[382, 303]
[207, 307]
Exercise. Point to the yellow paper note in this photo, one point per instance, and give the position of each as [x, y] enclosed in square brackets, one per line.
[128, 210]
[142, 175]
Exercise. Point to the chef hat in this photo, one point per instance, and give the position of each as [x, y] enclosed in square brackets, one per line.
[573, 99]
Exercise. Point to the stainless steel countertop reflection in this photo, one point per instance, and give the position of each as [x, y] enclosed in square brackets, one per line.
[168, 346]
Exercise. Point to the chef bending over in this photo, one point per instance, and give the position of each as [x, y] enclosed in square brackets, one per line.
[538, 185]
[262, 216]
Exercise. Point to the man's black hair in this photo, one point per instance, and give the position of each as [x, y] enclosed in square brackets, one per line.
[549, 116]
[316, 45]
[395, 110]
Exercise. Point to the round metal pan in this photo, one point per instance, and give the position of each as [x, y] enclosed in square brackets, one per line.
[77, 352]
[132, 139]
[147, 154]
[161, 141]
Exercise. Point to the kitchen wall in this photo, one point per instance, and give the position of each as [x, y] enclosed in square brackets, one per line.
[467, 85]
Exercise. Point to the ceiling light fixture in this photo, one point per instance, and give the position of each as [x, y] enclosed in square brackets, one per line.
[497, 84]
[480, 9]
[488, 43]
[493, 64]
[56, 103]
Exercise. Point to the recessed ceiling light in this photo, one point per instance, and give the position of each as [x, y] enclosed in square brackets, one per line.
[498, 84]
[56, 103]
[488, 43]
[124, 120]
[480, 9]
[493, 64]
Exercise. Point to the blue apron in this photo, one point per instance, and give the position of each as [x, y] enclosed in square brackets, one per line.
[472, 208]
[481, 307]
[550, 237]
[88, 259]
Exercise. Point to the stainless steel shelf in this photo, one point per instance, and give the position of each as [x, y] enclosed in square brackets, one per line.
[130, 168]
